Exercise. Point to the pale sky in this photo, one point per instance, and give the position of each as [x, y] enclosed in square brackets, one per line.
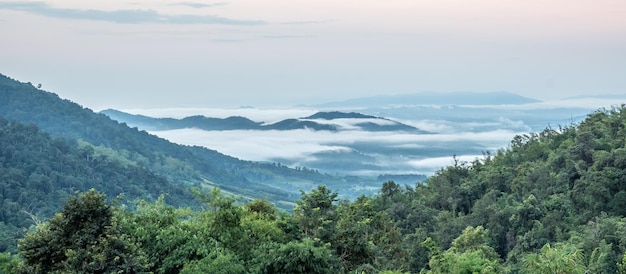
[271, 53]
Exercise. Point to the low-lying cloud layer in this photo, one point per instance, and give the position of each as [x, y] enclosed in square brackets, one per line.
[305, 147]
[462, 131]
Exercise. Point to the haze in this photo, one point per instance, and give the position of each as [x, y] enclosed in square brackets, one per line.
[272, 53]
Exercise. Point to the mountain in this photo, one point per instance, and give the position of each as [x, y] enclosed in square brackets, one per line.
[38, 172]
[552, 202]
[332, 115]
[327, 121]
[201, 122]
[363, 122]
[185, 165]
[434, 98]
[597, 96]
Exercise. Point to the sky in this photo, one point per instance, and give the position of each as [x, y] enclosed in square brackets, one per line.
[280, 53]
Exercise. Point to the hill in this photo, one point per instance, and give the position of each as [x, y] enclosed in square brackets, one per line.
[551, 202]
[201, 122]
[38, 172]
[549, 196]
[321, 121]
[188, 165]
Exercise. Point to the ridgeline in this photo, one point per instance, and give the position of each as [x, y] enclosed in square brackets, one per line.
[551, 202]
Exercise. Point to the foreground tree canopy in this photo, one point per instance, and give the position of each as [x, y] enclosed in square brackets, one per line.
[552, 202]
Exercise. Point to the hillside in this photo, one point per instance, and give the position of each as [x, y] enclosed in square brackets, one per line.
[189, 165]
[38, 172]
[551, 202]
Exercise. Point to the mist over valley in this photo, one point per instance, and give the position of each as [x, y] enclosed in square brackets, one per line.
[414, 134]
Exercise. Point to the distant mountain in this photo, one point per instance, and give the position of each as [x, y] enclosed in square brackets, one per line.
[331, 115]
[366, 122]
[201, 122]
[434, 98]
[328, 121]
[597, 96]
[186, 166]
[290, 124]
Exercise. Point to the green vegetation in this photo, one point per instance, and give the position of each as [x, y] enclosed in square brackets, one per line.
[551, 202]
[38, 172]
[187, 166]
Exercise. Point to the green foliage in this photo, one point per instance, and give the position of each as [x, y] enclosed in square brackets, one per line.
[621, 266]
[83, 237]
[38, 172]
[300, 257]
[194, 165]
[551, 202]
[316, 213]
[603, 259]
[562, 258]
[469, 254]
[164, 234]
[9, 263]
[218, 262]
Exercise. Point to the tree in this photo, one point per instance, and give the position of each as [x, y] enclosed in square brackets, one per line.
[562, 258]
[469, 253]
[83, 238]
[300, 257]
[316, 213]
[621, 266]
[603, 259]
[218, 262]
[164, 233]
[353, 239]
[9, 263]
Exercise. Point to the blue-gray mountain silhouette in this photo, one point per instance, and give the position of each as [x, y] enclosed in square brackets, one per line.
[368, 123]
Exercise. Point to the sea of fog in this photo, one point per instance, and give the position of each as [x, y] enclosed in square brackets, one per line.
[463, 132]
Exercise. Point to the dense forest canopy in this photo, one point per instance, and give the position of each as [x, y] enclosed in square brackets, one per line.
[551, 202]
[38, 172]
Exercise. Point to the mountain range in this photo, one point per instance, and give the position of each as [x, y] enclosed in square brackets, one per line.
[329, 121]
[184, 166]
[551, 200]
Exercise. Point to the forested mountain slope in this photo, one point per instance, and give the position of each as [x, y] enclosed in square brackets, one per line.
[554, 197]
[552, 202]
[181, 164]
[38, 173]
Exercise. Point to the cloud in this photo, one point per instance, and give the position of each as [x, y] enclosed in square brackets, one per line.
[306, 22]
[382, 152]
[122, 16]
[352, 123]
[391, 150]
[199, 5]
[231, 40]
[430, 165]
[584, 103]
[287, 36]
[256, 145]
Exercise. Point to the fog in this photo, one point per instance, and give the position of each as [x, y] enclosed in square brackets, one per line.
[466, 132]
[392, 152]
